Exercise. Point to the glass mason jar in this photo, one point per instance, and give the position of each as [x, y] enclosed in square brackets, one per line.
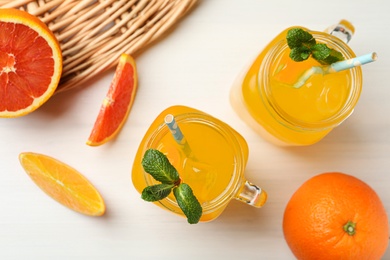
[214, 168]
[294, 117]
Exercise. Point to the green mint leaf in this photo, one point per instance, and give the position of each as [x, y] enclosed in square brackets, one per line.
[326, 55]
[188, 203]
[156, 192]
[320, 51]
[157, 164]
[298, 37]
[302, 45]
[300, 53]
[333, 57]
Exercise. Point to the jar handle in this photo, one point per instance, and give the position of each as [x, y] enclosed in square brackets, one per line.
[343, 30]
[252, 195]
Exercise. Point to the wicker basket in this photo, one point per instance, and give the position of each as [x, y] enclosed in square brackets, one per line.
[94, 33]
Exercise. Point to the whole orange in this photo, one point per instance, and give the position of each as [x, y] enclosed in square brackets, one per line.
[336, 216]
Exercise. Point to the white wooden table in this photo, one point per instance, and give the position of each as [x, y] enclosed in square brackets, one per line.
[194, 65]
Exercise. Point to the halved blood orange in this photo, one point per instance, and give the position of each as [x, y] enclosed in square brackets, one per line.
[30, 63]
[117, 103]
[63, 183]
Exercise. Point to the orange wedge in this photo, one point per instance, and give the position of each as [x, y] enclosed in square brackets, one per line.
[117, 103]
[63, 183]
[30, 63]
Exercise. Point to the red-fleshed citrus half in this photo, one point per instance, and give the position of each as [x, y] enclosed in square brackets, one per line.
[63, 183]
[117, 103]
[30, 63]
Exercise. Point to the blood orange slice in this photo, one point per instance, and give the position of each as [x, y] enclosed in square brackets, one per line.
[117, 103]
[63, 183]
[30, 63]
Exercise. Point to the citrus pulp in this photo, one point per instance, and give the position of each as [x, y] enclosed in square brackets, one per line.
[30, 63]
[117, 103]
[63, 183]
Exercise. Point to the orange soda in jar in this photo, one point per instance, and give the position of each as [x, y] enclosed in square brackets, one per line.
[211, 161]
[265, 96]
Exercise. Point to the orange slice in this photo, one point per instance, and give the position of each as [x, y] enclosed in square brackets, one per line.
[63, 183]
[117, 103]
[30, 63]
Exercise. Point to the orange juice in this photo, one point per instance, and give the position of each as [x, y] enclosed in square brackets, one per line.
[208, 169]
[265, 98]
[214, 167]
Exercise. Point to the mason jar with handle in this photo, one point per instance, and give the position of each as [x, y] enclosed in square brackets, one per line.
[264, 96]
[212, 161]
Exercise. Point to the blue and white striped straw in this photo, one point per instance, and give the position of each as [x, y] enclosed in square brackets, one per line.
[336, 67]
[177, 134]
[174, 128]
[351, 63]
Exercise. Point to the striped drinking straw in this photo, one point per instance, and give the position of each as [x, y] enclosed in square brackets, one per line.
[177, 134]
[351, 63]
[336, 67]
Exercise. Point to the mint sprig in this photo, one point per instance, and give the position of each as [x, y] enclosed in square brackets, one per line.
[158, 166]
[303, 44]
[157, 192]
[188, 203]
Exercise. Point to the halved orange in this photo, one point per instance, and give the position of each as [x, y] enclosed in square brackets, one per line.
[63, 183]
[30, 63]
[117, 103]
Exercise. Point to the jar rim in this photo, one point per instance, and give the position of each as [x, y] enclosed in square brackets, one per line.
[263, 78]
[238, 158]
